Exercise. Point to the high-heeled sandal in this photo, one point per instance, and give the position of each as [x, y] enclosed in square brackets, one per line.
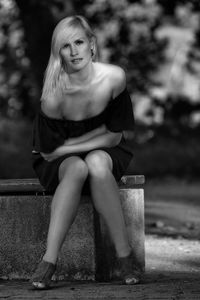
[129, 274]
[41, 278]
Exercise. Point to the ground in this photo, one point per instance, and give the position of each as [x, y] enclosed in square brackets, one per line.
[172, 210]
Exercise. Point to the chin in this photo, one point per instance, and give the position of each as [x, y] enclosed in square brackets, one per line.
[80, 66]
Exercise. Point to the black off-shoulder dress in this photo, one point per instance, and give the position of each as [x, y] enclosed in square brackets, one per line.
[49, 133]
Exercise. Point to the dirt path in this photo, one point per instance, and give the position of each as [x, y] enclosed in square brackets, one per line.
[172, 273]
[172, 258]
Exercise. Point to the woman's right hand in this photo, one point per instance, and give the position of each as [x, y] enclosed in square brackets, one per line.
[61, 150]
[50, 156]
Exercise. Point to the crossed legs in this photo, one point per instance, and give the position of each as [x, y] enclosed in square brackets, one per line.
[72, 174]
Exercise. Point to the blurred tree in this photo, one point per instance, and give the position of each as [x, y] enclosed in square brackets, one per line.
[39, 19]
[169, 7]
[194, 53]
[13, 63]
[25, 31]
[130, 42]
[177, 113]
[127, 33]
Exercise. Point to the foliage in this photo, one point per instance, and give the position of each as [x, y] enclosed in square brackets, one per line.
[16, 89]
[26, 28]
[131, 42]
[194, 53]
[165, 156]
[169, 7]
[178, 112]
[126, 31]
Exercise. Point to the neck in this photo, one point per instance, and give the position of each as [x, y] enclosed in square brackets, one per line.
[82, 77]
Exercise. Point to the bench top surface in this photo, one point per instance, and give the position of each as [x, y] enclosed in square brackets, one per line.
[32, 185]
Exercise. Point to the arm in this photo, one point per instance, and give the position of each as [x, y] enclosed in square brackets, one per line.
[87, 136]
[118, 83]
[107, 139]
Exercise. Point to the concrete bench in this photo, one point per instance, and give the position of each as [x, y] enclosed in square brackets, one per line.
[87, 253]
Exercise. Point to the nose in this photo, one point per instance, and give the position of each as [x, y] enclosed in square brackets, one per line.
[74, 50]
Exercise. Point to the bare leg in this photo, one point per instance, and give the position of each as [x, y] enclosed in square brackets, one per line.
[72, 174]
[106, 199]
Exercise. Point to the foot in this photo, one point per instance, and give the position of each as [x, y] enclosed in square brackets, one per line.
[41, 279]
[129, 275]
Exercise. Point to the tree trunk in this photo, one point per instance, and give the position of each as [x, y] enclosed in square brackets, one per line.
[39, 19]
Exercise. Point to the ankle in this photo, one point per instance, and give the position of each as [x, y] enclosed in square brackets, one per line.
[49, 259]
[124, 252]
[41, 278]
[130, 274]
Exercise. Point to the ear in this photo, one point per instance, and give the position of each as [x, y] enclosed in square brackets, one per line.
[93, 48]
[92, 43]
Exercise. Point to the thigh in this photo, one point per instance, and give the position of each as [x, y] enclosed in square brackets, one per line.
[120, 161]
[48, 172]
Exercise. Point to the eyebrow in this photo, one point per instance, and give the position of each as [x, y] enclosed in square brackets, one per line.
[81, 38]
[77, 39]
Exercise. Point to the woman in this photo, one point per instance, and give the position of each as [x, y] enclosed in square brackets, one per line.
[79, 141]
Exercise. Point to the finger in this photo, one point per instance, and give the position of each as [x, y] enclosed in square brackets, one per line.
[49, 158]
[46, 157]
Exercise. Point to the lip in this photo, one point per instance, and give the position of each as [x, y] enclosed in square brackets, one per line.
[76, 60]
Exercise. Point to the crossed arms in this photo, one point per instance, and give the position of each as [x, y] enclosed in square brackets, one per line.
[97, 138]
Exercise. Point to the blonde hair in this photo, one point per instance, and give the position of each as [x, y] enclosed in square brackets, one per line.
[54, 70]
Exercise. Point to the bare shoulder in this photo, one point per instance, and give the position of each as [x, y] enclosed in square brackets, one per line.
[117, 78]
[50, 107]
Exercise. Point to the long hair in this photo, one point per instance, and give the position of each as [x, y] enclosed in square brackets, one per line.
[54, 70]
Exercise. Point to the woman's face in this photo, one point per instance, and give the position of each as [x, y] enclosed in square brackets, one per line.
[76, 53]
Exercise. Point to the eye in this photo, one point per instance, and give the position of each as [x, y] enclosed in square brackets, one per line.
[66, 46]
[79, 42]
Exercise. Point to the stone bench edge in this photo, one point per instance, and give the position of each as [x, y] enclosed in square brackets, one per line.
[32, 185]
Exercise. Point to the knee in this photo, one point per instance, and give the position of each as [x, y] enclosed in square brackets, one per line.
[99, 164]
[73, 167]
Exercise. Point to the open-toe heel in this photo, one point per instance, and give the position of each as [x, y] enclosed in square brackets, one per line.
[41, 279]
[129, 274]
